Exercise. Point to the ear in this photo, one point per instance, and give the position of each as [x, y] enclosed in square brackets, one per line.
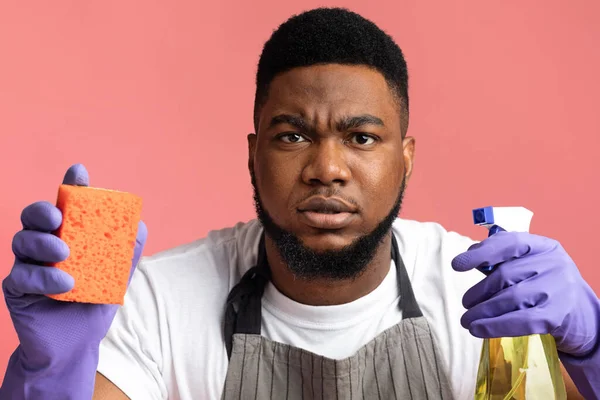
[408, 152]
[251, 148]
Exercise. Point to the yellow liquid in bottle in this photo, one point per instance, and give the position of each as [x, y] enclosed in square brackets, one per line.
[520, 368]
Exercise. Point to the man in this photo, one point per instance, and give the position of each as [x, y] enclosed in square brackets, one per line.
[328, 294]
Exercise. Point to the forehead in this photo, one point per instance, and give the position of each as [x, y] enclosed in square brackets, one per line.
[330, 91]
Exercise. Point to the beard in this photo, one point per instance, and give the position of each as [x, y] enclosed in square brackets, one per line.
[305, 263]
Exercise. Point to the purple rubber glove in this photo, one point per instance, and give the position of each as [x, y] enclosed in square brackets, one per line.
[59, 341]
[536, 288]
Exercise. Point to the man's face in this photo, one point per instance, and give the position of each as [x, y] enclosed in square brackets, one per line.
[328, 160]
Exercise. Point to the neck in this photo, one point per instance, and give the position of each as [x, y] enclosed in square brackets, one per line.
[324, 292]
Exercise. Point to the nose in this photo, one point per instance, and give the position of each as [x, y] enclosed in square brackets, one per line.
[326, 164]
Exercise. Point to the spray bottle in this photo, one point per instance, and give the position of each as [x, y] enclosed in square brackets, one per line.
[519, 368]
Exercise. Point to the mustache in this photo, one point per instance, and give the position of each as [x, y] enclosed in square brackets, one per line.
[328, 192]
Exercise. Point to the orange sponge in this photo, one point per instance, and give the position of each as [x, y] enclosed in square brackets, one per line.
[100, 227]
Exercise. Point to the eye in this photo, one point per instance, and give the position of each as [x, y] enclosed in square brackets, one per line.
[291, 138]
[363, 139]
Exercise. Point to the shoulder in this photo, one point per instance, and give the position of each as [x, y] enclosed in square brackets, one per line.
[220, 258]
[429, 236]
[428, 248]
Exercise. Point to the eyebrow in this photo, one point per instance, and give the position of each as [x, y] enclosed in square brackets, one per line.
[358, 121]
[344, 124]
[293, 120]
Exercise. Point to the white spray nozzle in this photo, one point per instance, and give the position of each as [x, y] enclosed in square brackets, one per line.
[511, 219]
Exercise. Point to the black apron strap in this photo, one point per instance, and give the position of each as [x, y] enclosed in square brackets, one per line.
[408, 303]
[246, 297]
[243, 312]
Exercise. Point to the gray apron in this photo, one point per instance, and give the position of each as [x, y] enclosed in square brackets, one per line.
[402, 362]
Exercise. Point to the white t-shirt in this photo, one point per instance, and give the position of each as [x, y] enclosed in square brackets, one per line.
[166, 342]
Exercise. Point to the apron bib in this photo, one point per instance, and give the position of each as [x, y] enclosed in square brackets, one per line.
[403, 362]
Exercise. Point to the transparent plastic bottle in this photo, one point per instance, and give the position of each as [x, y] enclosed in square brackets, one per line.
[520, 368]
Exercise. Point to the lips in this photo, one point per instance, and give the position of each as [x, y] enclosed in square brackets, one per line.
[326, 213]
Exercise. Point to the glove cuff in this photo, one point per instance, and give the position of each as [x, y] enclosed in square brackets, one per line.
[584, 371]
[72, 379]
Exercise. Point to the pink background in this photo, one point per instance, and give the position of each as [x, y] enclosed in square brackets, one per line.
[156, 98]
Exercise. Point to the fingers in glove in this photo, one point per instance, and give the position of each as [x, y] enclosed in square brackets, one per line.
[517, 323]
[41, 216]
[504, 276]
[37, 279]
[39, 247]
[502, 247]
[509, 300]
[77, 175]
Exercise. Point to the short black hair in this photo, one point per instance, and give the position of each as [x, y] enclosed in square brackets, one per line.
[332, 36]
